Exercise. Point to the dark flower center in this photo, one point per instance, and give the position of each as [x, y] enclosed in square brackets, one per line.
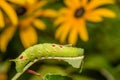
[21, 11]
[79, 12]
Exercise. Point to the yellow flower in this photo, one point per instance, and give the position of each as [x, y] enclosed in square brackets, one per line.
[72, 18]
[8, 9]
[23, 2]
[27, 32]
[29, 14]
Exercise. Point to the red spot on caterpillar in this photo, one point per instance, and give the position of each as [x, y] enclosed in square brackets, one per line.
[61, 46]
[21, 57]
[53, 45]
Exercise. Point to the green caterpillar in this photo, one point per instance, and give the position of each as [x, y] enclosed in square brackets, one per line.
[45, 50]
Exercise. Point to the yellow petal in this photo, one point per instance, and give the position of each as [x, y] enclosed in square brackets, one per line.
[90, 16]
[77, 2]
[6, 36]
[36, 6]
[72, 39]
[96, 3]
[9, 11]
[60, 30]
[64, 11]
[23, 2]
[28, 36]
[31, 1]
[50, 13]
[20, 2]
[41, 3]
[72, 3]
[82, 30]
[84, 2]
[2, 24]
[105, 13]
[65, 32]
[39, 24]
[37, 13]
[68, 2]
[59, 20]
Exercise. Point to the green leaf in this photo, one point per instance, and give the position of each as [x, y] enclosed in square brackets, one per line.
[75, 61]
[55, 77]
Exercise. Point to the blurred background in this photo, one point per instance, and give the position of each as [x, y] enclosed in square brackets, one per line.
[89, 24]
